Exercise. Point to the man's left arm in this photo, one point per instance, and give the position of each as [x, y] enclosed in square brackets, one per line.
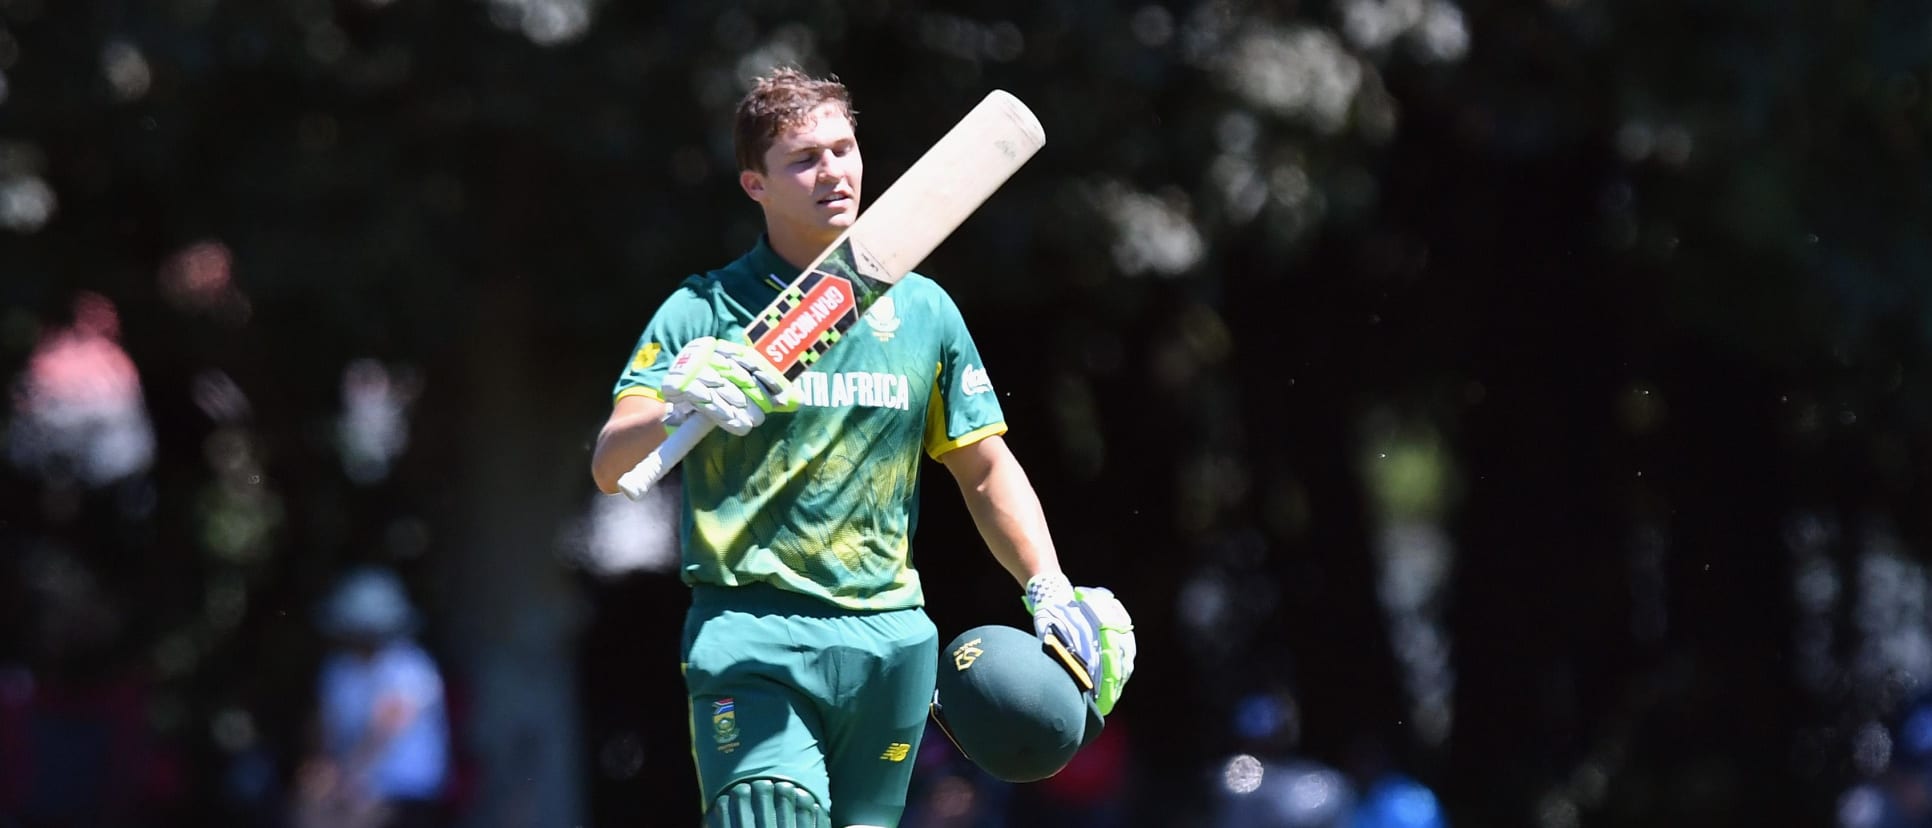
[1005, 508]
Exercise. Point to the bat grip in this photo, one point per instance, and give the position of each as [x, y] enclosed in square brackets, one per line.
[648, 471]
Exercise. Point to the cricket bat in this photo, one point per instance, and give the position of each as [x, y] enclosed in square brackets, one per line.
[888, 240]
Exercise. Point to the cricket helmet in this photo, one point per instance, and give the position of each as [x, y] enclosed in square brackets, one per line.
[1010, 706]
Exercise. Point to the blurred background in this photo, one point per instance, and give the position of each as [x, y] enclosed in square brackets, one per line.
[1495, 414]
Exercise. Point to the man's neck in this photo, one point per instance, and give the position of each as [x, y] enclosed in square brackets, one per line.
[796, 249]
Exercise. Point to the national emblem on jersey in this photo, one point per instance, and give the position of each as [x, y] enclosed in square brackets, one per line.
[724, 724]
[646, 357]
[883, 317]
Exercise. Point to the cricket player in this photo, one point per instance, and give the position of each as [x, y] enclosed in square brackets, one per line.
[808, 657]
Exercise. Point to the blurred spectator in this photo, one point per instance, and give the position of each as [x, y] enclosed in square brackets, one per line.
[251, 789]
[382, 726]
[1900, 794]
[949, 791]
[1090, 792]
[76, 745]
[1390, 798]
[1267, 784]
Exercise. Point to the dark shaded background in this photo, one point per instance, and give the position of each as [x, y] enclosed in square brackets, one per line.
[1537, 388]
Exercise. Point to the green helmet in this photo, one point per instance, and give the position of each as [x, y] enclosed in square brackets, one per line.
[1010, 706]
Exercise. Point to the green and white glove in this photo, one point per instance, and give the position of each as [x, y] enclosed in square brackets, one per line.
[727, 383]
[1118, 646]
[1093, 625]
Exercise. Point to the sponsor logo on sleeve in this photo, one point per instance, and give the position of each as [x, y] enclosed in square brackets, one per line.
[974, 380]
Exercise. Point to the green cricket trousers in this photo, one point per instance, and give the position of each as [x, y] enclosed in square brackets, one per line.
[785, 686]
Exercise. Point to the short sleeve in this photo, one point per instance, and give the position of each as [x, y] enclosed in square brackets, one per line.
[963, 409]
[683, 317]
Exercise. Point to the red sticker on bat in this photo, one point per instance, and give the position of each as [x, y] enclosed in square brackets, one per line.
[801, 326]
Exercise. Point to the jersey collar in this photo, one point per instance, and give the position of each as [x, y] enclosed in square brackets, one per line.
[766, 266]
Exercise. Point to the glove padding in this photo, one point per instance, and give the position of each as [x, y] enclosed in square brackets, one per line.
[1093, 625]
[727, 383]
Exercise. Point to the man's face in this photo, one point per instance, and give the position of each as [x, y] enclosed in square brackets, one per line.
[811, 177]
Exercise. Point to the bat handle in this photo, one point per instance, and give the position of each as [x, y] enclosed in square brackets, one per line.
[1074, 666]
[648, 471]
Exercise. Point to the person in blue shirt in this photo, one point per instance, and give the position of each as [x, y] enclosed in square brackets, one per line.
[382, 732]
[1390, 798]
[1268, 782]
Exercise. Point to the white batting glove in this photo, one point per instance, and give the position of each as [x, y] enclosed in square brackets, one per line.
[725, 382]
[1118, 646]
[1093, 625]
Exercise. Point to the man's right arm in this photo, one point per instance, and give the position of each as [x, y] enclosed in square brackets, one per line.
[635, 428]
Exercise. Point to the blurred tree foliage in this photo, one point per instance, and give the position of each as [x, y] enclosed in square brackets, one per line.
[1642, 285]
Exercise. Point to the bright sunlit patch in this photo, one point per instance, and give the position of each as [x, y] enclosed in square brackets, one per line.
[1871, 749]
[618, 536]
[1152, 234]
[126, 70]
[1443, 35]
[1434, 28]
[1315, 793]
[545, 22]
[1862, 807]
[1893, 597]
[373, 429]
[1242, 774]
[1374, 24]
[1304, 74]
[26, 202]
[1556, 811]
[1204, 604]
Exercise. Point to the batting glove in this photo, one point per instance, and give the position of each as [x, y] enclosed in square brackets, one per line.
[725, 382]
[1118, 646]
[1093, 625]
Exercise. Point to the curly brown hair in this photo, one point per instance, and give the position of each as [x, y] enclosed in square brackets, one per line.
[780, 100]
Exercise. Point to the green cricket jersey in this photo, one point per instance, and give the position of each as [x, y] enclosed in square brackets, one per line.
[822, 500]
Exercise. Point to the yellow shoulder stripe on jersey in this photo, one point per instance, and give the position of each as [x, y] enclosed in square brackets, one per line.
[936, 442]
[638, 391]
[940, 449]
